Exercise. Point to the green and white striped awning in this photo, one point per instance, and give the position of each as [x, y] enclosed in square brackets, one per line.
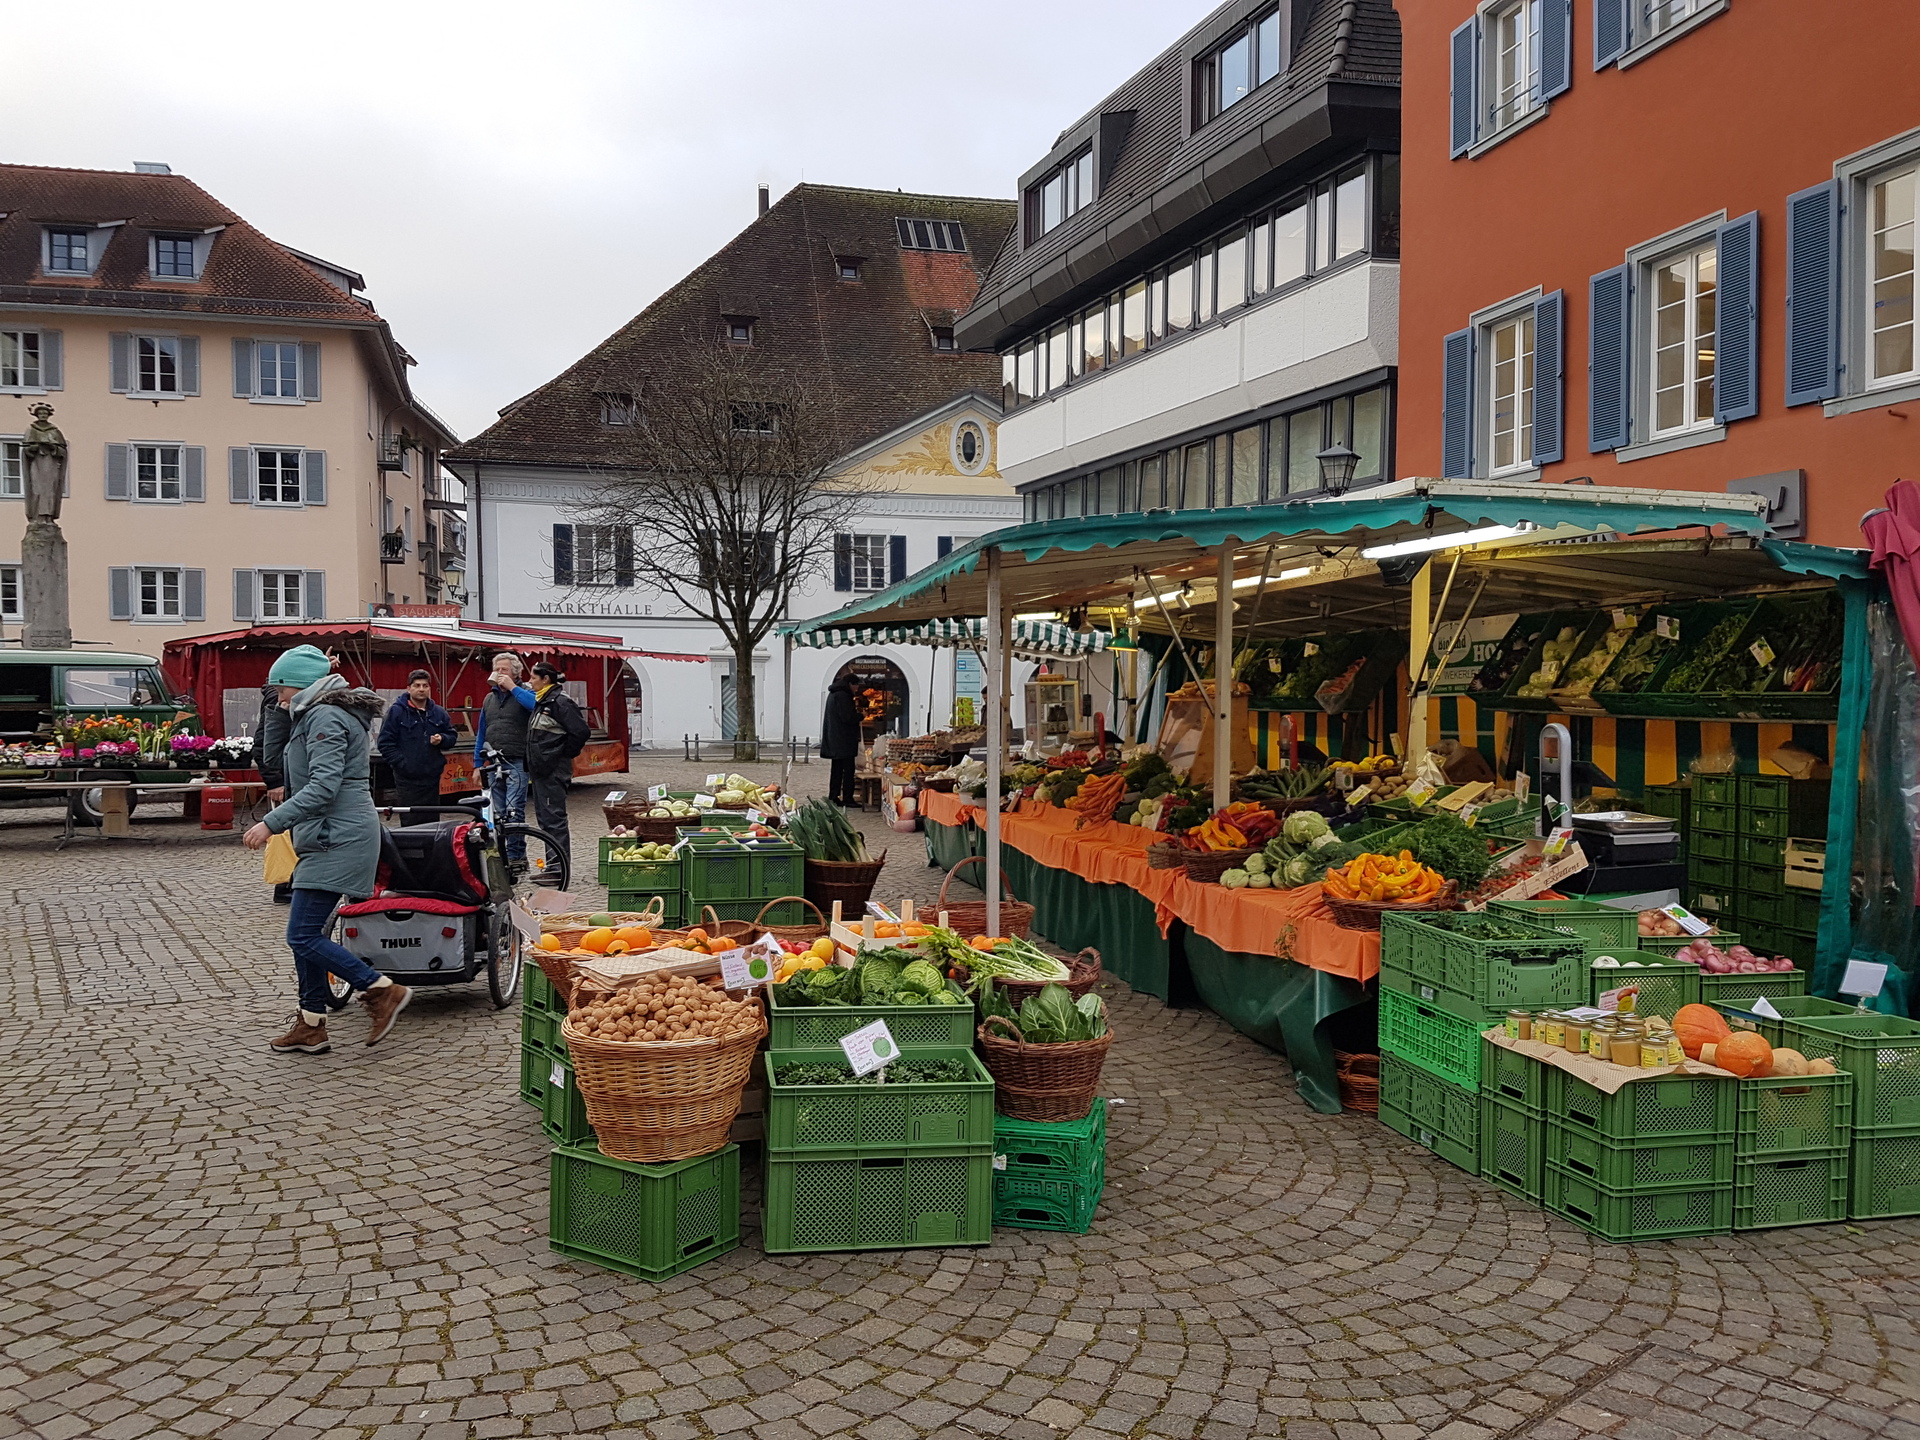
[1031, 638]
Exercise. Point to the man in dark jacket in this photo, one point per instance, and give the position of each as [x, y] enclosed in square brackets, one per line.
[414, 738]
[271, 749]
[840, 740]
[501, 741]
[556, 732]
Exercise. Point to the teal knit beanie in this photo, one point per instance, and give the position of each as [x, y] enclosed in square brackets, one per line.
[300, 667]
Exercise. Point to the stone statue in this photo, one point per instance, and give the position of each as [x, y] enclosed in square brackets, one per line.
[43, 549]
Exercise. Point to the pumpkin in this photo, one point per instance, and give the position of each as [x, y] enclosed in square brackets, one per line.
[1788, 1062]
[1821, 1067]
[1745, 1053]
[1698, 1025]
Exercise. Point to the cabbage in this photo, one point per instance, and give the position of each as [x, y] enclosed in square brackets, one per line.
[1255, 864]
[1304, 826]
[1260, 881]
[921, 978]
[1234, 879]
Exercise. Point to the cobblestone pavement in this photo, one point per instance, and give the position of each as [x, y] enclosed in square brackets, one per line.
[199, 1238]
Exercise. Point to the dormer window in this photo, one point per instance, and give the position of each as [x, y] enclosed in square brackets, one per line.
[739, 329]
[173, 257]
[617, 409]
[943, 338]
[1063, 192]
[930, 235]
[847, 267]
[70, 252]
[1246, 60]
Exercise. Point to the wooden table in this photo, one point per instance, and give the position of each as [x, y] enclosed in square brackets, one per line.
[115, 814]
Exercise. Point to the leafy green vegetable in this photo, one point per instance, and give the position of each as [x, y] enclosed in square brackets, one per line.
[921, 978]
[879, 978]
[1052, 1017]
[1304, 826]
[825, 833]
[901, 1072]
[1447, 844]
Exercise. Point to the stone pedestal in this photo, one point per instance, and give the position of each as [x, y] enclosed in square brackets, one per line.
[43, 583]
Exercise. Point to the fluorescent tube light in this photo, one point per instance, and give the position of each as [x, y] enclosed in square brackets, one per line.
[1441, 542]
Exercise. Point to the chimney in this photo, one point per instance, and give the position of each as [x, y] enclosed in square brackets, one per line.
[766, 199]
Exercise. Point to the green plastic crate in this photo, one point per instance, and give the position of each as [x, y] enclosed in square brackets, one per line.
[1881, 1052]
[533, 1075]
[877, 1200]
[1438, 1042]
[1673, 800]
[1599, 927]
[1803, 910]
[719, 871]
[1739, 990]
[542, 1028]
[1426, 1099]
[1051, 1150]
[1790, 1190]
[1459, 1145]
[1741, 1015]
[765, 911]
[1660, 1107]
[1719, 876]
[1664, 985]
[1792, 1114]
[1710, 845]
[1512, 1077]
[1716, 789]
[1722, 818]
[1763, 850]
[1671, 1164]
[1513, 1146]
[653, 877]
[1498, 974]
[779, 868]
[1884, 1174]
[1760, 911]
[1757, 880]
[651, 1221]
[1642, 1215]
[1024, 1201]
[903, 1115]
[1412, 948]
[536, 992]
[1464, 1007]
[820, 1027]
[673, 912]
[563, 1109]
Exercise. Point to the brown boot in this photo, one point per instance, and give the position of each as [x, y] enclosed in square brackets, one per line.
[302, 1039]
[384, 1005]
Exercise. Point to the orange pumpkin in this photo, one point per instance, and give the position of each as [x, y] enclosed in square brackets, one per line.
[1744, 1052]
[1697, 1025]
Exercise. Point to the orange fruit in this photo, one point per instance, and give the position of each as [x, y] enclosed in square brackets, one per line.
[635, 935]
[549, 942]
[888, 931]
[913, 927]
[697, 936]
[618, 947]
[597, 940]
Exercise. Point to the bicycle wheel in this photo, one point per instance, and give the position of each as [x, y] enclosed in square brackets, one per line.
[504, 956]
[548, 867]
[339, 992]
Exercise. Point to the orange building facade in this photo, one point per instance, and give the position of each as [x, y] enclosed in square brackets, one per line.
[1664, 245]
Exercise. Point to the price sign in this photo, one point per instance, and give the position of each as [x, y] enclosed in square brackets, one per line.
[748, 966]
[716, 782]
[1417, 794]
[656, 792]
[1666, 627]
[1622, 619]
[1355, 797]
[753, 817]
[1864, 978]
[1761, 651]
[528, 927]
[1763, 1006]
[615, 795]
[870, 1048]
[703, 802]
[1689, 922]
[557, 1076]
[1557, 843]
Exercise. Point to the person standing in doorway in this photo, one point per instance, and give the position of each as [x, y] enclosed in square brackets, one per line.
[413, 741]
[555, 734]
[840, 740]
[501, 740]
[336, 832]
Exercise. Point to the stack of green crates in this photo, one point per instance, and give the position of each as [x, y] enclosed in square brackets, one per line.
[1652, 1161]
[1513, 1127]
[651, 1221]
[1713, 849]
[1737, 856]
[633, 885]
[1440, 987]
[1882, 1054]
[738, 878]
[890, 1166]
[1793, 1146]
[1675, 802]
[1048, 1176]
[546, 1070]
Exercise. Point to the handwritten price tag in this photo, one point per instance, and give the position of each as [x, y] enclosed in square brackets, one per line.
[869, 1048]
[656, 792]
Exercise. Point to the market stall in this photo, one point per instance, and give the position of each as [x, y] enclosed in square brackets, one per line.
[224, 673]
[1586, 568]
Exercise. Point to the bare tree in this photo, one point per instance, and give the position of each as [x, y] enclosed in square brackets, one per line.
[724, 489]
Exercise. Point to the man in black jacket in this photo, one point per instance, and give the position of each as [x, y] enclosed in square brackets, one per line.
[840, 740]
[414, 738]
[556, 732]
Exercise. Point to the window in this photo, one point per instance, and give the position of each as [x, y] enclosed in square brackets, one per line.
[13, 470]
[173, 257]
[277, 478]
[279, 366]
[868, 554]
[157, 594]
[1506, 63]
[1889, 287]
[1662, 15]
[1513, 73]
[943, 338]
[755, 419]
[617, 409]
[1063, 193]
[69, 252]
[113, 689]
[602, 554]
[739, 330]
[1180, 297]
[930, 235]
[1290, 243]
[1245, 61]
[156, 472]
[157, 364]
[1683, 301]
[20, 360]
[1230, 266]
[279, 595]
[10, 607]
[847, 267]
[1510, 394]
[1133, 318]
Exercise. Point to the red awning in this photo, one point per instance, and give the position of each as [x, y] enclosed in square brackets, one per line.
[411, 633]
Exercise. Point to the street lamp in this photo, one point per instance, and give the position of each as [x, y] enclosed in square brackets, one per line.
[1337, 464]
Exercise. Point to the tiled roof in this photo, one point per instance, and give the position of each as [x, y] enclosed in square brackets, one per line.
[245, 273]
[1352, 43]
[868, 338]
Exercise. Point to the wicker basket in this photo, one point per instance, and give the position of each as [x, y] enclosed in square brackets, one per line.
[1045, 1083]
[571, 928]
[796, 934]
[1359, 1077]
[655, 1101]
[663, 830]
[969, 917]
[1365, 914]
[850, 882]
[1167, 855]
[1086, 974]
[944, 784]
[1207, 866]
[738, 931]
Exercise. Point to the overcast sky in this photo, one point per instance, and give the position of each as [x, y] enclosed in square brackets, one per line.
[516, 181]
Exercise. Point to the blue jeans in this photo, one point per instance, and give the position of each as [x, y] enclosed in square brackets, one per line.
[510, 801]
[315, 956]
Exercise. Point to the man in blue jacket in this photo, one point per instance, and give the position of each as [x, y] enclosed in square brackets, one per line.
[413, 740]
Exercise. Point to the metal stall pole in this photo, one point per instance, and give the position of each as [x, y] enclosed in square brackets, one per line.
[1419, 637]
[996, 734]
[1223, 682]
[786, 710]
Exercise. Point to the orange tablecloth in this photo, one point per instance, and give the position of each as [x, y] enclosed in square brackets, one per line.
[1288, 924]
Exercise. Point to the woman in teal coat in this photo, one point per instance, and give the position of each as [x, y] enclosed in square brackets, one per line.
[336, 835]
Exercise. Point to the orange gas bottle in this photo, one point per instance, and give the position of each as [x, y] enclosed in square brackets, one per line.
[216, 807]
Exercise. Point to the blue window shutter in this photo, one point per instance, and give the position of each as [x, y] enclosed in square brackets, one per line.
[1465, 107]
[1549, 379]
[1609, 361]
[563, 554]
[1736, 366]
[943, 544]
[896, 559]
[1556, 48]
[1813, 294]
[1610, 31]
[843, 562]
[1456, 407]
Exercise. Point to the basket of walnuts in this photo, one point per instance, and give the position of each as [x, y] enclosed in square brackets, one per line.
[661, 1063]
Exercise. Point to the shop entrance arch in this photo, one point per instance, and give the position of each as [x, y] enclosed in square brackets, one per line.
[880, 694]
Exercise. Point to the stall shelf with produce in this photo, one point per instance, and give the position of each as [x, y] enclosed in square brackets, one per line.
[1346, 560]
